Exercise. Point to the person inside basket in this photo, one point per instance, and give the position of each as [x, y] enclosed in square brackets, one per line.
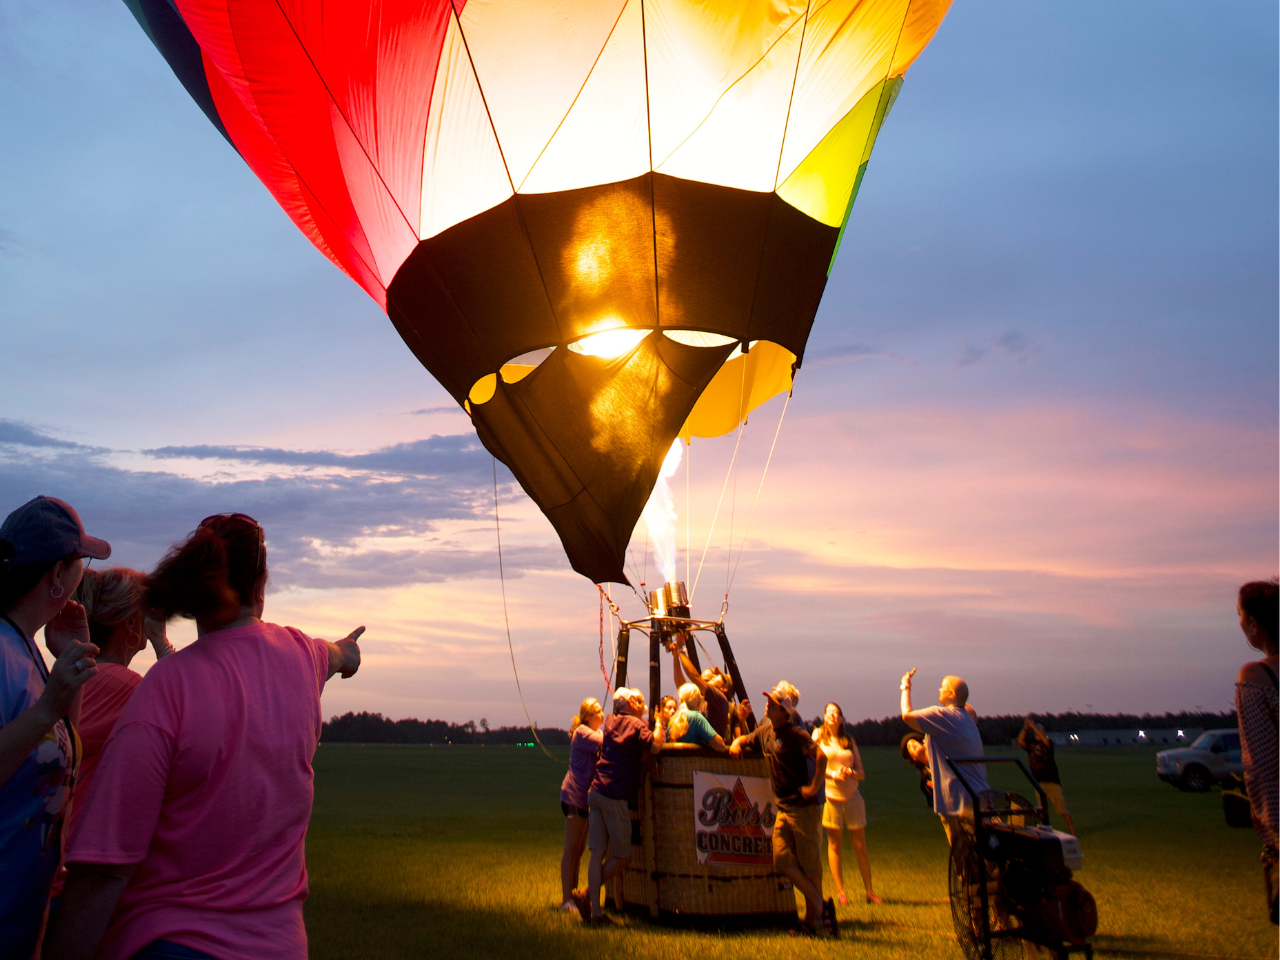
[584, 748]
[951, 732]
[711, 683]
[690, 724]
[1044, 767]
[626, 741]
[797, 789]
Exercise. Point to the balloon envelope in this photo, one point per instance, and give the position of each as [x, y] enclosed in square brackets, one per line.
[600, 224]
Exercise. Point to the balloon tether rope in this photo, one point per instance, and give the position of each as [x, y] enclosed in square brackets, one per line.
[723, 487]
[742, 546]
[502, 579]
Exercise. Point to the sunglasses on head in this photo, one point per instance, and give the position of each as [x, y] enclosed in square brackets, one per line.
[257, 562]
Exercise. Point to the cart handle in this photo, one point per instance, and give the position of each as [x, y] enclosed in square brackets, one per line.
[977, 807]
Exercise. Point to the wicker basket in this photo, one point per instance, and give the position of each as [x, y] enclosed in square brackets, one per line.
[665, 877]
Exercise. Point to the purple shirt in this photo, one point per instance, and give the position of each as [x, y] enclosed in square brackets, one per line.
[583, 750]
[627, 740]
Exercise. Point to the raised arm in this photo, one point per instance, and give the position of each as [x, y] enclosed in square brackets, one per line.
[908, 715]
[344, 656]
[682, 659]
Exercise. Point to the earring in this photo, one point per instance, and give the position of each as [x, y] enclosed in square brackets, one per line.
[58, 595]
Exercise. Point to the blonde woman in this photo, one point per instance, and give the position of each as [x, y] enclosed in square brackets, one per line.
[667, 709]
[845, 806]
[584, 749]
[690, 723]
[118, 627]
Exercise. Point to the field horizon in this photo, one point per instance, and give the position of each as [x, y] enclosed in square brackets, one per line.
[455, 850]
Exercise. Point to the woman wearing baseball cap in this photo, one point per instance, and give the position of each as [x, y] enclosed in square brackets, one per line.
[41, 546]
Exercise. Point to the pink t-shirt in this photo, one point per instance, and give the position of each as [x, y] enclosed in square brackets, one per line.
[102, 700]
[206, 784]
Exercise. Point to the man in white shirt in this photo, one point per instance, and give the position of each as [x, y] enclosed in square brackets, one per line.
[951, 732]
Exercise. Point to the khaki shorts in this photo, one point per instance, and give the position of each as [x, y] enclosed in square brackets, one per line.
[609, 825]
[1054, 792]
[851, 813]
[797, 842]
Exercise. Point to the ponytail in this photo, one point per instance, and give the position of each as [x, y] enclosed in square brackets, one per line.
[212, 574]
[110, 597]
[590, 707]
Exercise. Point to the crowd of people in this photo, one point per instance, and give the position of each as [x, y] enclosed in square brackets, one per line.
[159, 816]
[815, 776]
[164, 817]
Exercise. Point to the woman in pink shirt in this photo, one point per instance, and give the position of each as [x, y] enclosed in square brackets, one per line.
[112, 601]
[190, 843]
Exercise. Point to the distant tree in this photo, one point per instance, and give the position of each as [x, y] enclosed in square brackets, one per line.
[484, 724]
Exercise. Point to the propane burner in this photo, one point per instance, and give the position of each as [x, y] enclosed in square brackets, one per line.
[669, 600]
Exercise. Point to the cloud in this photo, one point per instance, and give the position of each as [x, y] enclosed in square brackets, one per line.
[14, 433]
[1017, 347]
[408, 513]
[853, 351]
[450, 455]
[1013, 344]
[447, 408]
[10, 246]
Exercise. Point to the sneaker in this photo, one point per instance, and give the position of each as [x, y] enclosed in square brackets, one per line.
[829, 918]
[605, 920]
[579, 898]
[804, 930]
[568, 906]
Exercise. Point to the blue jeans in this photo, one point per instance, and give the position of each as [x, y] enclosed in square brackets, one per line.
[165, 950]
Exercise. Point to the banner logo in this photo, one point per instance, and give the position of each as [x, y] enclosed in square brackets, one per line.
[733, 819]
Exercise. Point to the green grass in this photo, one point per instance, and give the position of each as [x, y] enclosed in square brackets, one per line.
[455, 852]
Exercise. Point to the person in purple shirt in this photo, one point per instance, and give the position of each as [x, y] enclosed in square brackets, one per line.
[584, 747]
[627, 740]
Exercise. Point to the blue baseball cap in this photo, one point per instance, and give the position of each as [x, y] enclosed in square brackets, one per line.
[46, 529]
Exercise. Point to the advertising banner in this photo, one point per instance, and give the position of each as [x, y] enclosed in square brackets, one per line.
[733, 819]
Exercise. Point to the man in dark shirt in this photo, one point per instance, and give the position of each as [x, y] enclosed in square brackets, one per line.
[1044, 767]
[627, 741]
[711, 683]
[797, 828]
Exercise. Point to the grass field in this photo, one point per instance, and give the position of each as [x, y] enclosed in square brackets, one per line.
[444, 852]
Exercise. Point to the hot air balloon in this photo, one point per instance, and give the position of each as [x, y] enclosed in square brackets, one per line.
[600, 224]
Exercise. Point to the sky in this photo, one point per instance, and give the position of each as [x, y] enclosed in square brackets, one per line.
[1033, 442]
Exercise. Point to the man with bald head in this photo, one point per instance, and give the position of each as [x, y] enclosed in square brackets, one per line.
[951, 732]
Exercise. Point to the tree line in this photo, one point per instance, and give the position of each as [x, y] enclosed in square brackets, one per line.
[1003, 728]
[375, 728]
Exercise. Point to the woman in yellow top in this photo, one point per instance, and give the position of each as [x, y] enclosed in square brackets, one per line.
[845, 807]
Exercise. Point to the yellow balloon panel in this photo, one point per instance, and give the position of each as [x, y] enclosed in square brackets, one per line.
[741, 385]
[823, 182]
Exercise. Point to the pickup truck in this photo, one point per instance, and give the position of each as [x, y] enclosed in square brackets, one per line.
[1212, 758]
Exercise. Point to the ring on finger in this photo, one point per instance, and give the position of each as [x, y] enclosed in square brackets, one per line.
[79, 666]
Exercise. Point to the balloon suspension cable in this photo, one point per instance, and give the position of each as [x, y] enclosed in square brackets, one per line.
[716, 516]
[742, 392]
[502, 579]
[747, 533]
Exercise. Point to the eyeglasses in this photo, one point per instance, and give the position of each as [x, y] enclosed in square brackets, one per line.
[262, 534]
